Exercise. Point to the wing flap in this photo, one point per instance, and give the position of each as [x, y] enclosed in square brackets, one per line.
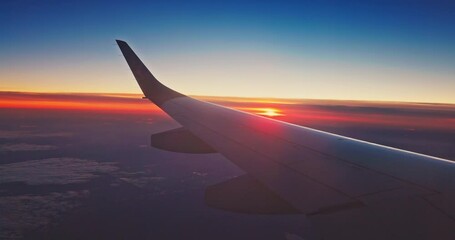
[180, 140]
[244, 194]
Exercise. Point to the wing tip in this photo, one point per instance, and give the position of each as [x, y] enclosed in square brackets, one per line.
[120, 42]
[150, 86]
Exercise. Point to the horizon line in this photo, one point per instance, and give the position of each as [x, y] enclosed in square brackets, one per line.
[292, 100]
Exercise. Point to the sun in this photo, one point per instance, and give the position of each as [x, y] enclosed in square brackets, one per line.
[266, 112]
[269, 112]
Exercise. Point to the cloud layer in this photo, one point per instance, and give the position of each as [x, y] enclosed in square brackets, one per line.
[25, 147]
[54, 171]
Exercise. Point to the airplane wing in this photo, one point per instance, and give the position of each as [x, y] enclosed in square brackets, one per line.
[349, 189]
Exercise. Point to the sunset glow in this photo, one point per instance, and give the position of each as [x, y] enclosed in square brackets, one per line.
[302, 112]
[81, 102]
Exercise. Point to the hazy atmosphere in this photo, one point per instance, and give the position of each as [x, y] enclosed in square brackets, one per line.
[81, 166]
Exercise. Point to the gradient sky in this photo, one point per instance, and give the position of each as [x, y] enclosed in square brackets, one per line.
[381, 50]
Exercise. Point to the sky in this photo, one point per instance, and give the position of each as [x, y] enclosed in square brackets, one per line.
[373, 50]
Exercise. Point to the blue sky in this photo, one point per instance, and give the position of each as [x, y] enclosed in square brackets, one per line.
[377, 50]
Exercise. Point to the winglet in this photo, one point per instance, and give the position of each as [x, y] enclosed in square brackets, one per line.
[151, 87]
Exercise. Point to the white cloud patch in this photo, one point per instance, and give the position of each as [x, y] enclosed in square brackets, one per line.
[25, 147]
[54, 171]
[138, 179]
[200, 174]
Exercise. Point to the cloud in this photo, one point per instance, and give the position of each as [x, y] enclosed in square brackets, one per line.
[25, 147]
[200, 174]
[394, 110]
[12, 134]
[138, 179]
[21, 213]
[54, 171]
[7, 134]
[27, 212]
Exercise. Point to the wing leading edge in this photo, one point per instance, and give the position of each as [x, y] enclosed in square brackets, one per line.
[350, 189]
